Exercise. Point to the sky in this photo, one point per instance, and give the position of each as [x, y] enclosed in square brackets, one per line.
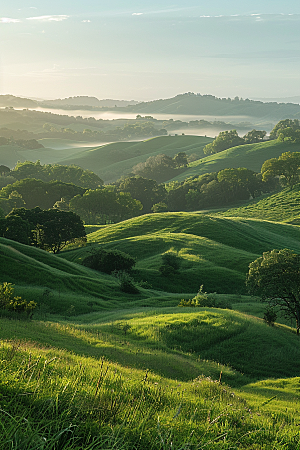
[149, 49]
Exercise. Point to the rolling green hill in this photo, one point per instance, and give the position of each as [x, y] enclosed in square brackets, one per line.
[111, 161]
[89, 385]
[283, 206]
[213, 251]
[251, 156]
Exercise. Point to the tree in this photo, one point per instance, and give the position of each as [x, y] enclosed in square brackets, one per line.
[16, 229]
[275, 277]
[147, 191]
[286, 166]
[254, 136]
[241, 179]
[58, 229]
[50, 230]
[108, 261]
[286, 123]
[103, 205]
[225, 140]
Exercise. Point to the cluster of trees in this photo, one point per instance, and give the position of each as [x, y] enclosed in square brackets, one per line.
[57, 172]
[31, 144]
[49, 230]
[228, 139]
[216, 189]
[30, 193]
[128, 131]
[286, 167]
[285, 127]
[161, 167]
[147, 191]
[105, 205]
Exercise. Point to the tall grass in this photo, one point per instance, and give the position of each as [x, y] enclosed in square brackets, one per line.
[55, 400]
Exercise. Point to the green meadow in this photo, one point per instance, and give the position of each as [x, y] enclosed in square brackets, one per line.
[251, 156]
[96, 368]
[283, 206]
[111, 161]
[213, 251]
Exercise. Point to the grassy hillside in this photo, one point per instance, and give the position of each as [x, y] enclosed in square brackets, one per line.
[213, 251]
[251, 156]
[55, 283]
[111, 161]
[283, 206]
[87, 384]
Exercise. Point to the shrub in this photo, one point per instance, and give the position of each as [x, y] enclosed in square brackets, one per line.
[205, 300]
[170, 264]
[270, 316]
[11, 303]
[172, 260]
[126, 282]
[167, 270]
[108, 261]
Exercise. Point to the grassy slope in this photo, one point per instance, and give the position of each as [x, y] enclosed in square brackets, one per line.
[111, 161]
[251, 156]
[214, 251]
[280, 207]
[33, 271]
[92, 375]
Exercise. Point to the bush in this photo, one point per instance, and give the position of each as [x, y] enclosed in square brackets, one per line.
[172, 260]
[270, 316]
[11, 303]
[170, 264]
[108, 261]
[126, 282]
[205, 300]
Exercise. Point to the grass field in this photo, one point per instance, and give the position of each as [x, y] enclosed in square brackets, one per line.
[251, 156]
[213, 251]
[283, 206]
[97, 369]
[145, 378]
[111, 161]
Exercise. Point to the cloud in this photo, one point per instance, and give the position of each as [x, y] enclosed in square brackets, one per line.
[9, 20]
[137, 14]
[53, 18]
[32, 7]
[86, 21]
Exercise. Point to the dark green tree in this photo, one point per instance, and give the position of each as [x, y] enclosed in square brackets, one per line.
[147, 191]
[286, 166]
[275, 277]
[16, 229]
[254, 136]
[294, 124]
[52, 229]
[105, 205]
[225, 140]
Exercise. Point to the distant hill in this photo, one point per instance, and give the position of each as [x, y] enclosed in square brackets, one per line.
[191, 103]
[213, 251]
[82, 101]
[17, 102]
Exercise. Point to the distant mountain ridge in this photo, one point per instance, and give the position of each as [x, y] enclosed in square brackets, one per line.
[188, 103]
[88, 101]
[198, 104]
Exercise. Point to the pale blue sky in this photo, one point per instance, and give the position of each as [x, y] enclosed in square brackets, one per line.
[150, 49]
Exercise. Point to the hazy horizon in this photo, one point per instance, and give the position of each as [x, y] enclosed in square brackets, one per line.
[149, 50]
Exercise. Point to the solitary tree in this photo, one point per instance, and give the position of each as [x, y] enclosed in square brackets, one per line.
[276, 278]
